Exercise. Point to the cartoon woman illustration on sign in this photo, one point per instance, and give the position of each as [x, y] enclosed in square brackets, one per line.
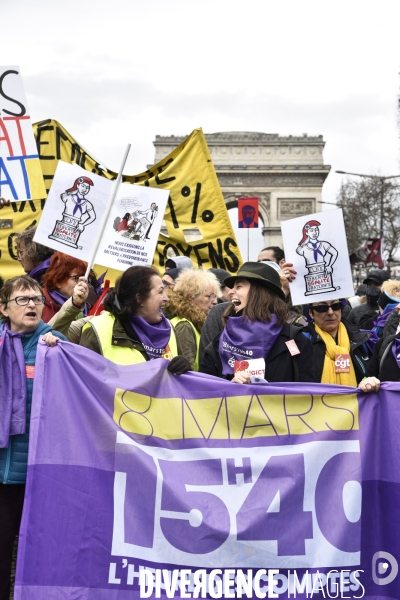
[78, 213]
[319, 257]
[76, 206]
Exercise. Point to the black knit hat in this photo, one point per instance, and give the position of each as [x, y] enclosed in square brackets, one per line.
[260, 273]
[221, 275]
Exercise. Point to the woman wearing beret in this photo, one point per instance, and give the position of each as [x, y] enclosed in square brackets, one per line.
[256, 328]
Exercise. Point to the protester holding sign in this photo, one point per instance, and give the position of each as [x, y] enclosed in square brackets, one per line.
[21, 307]
[340, 354]
[133, 328]
[256, 339]
[63, 280]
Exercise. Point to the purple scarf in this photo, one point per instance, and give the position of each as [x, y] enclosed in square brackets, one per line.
[39, 270]
[60, 299]
[241, 339]
[153, 338]
[12, 385]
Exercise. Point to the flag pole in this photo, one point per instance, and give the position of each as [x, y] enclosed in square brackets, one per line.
[107, 213]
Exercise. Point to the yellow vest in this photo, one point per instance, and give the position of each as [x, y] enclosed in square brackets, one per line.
[175, 321]
[103, 327]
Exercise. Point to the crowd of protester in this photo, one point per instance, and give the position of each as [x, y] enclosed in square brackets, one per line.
[197, 319]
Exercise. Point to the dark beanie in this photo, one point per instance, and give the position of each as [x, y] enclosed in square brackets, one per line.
[221, 275]
[173, 273]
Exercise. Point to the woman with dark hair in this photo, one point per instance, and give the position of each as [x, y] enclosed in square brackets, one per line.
[256, 328]
[133, 328]
[340, 352]
[123, 224]
[65, 282]
[21, 307]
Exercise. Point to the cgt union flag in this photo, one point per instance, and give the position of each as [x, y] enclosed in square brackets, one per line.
[142, 484]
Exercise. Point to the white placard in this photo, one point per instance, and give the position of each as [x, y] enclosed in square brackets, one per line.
[131, 234]
[316, 245]
[21, 176]
[73, 213]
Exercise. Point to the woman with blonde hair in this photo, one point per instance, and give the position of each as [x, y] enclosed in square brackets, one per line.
[195, 293]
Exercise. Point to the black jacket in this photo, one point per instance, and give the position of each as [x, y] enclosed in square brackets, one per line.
[357, 312]
[279, 364]
[392, 323]
[383, 364]
[358, 352]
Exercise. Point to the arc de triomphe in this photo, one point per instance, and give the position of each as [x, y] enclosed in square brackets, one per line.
[286, 173]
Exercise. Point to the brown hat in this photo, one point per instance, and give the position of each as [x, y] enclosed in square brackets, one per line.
[260, 273]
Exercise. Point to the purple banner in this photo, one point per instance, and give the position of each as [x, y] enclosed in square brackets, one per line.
[142, 484]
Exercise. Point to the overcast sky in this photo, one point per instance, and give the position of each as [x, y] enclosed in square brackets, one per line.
[124, 71]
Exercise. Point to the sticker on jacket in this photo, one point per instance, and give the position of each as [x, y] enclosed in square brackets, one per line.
[29, 371]
[342, 363]
[292, 347]
[254, 366]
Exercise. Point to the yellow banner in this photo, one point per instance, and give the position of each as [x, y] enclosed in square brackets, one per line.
[236, 417]
[196, 209]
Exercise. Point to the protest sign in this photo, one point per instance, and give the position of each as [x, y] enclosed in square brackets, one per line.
[159, 482]
[317, 246]
[74, 210]
[195, 201]
[21, 176]
[133, 228]
[248, 213]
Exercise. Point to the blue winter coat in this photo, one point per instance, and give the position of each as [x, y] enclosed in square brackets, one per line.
[14, 458]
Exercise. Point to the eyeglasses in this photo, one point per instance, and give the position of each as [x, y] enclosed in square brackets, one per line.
[323, 308]
[24, 300]
[211, 297]
[76, 277]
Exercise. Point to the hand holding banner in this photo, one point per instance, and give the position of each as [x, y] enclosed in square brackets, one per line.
[198, 480]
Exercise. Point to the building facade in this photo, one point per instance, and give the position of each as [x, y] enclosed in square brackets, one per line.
[285, 173]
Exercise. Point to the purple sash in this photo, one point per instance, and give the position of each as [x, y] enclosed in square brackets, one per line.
[242, 339]
[12, 385]
[153, 338]
[396, 350]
